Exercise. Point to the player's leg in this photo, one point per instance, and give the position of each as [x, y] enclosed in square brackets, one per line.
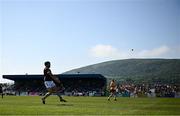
[59, 95]
[114, 94]
[46, 95]
[111, 94]
[50, 88]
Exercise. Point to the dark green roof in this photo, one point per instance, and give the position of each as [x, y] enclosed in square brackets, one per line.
[40, 77]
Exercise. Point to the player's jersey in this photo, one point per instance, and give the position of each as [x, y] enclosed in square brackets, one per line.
[47, 74]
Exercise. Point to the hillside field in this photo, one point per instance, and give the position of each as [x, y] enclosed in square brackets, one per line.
[136, 70]
[31, 105]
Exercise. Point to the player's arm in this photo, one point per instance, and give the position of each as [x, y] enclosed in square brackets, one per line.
[54, 78]
[111, 84]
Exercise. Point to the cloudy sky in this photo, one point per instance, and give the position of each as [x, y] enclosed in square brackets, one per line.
[75, 33]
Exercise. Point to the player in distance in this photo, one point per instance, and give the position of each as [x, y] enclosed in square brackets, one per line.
[1, 91]
[113, 88]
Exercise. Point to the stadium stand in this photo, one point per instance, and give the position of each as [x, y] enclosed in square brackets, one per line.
[75, 84]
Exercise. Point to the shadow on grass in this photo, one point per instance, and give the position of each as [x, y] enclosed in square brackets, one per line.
[65, 105]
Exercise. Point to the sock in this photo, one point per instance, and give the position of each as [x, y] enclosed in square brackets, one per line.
[58, 94]
[47, 94]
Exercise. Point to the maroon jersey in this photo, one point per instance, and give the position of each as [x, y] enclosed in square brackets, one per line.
[47, 75]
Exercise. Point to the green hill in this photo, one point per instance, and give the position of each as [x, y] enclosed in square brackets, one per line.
[136, 70]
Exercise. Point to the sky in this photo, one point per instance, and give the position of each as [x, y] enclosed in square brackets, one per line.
[75, 33]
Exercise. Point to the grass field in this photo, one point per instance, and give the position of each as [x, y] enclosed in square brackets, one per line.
[31, 105]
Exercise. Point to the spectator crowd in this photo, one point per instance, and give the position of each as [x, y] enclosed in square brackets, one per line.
[123, 90]
[148, 90]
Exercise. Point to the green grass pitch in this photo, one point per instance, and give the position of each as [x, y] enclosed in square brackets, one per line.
[31, 105]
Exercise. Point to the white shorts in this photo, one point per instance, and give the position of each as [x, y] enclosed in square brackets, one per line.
[49, 84]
